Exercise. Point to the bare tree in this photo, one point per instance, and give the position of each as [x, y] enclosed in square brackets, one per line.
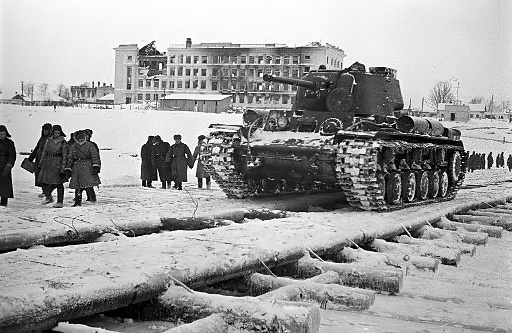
[441, 93]
[476, 100]
[28, 90]
[43, 90]
[59, 90]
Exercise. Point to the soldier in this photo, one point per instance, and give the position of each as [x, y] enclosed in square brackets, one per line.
[91, 194]
[490, 160]
[509, 162]
[37, 151]
[7, 159]
[200, 171]
[147, 170]
[83, 165]
[53, 162]
[158, 159]
[180, 157]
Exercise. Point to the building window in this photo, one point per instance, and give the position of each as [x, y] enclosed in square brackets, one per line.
[269, 59]
[195, 72]
[148, 83]
[286, 72]
[129, 58]
[285, 99]
[258, 99]
[179, 84]
[286, 60]
[260, 72]
[295, 73]
[260, 59]
[172, 59]
[128, 100]
[243, 59]
[204, 59]
[275, 99]
[295, 59]
[234, 59]
[241, 98]
[307, 69]
[188, 59]
[172, 71]
[180, 71]
[277, 72]
[203, 71]
[215, 59]
[249, 99]
[148, 97]
[225, 72]
[242, 72]
[196, 59]
[327, 62]
[225, 59]
[215, 85]
[203, 84]
[251, 72]
[139, 97]
[215, 72]
[225, 84]
[164, 84]
[195, 84]
[156, 83]
[128, 86]
[187, 84]
[141, 84]
[307, 57]
[233, 72]
[251, 59]
[171, 84]
[180, 59]
[187, 71]
[277, 60]
[155, 97]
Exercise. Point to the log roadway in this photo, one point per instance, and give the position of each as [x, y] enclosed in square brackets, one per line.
[41, 286]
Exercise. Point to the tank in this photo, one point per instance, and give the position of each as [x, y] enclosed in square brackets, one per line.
[346, 133]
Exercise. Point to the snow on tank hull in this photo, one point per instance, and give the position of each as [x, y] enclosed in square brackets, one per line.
[374, 170]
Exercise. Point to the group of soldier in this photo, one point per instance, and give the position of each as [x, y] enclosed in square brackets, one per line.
[56, 161]
[477, 161]
[161, 160]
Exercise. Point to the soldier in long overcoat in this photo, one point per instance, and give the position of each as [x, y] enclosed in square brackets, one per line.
[147, 170]
[158, 153]
[200, 171]
[35, 155]
[7, 159]
[490, 160]
[180, 157]
[53, 162]
[84, 165]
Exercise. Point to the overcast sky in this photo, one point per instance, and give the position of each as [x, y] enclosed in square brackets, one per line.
[70, 41]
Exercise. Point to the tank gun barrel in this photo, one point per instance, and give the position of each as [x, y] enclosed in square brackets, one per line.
[286, 80]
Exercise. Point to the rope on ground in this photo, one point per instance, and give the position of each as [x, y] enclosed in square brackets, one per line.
[314, 254]
[268, 269]
[181, 284]
[195, 203]
[72, 227]
[121, 229]
[351, 241]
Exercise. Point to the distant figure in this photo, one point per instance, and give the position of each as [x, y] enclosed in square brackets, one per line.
[502, 160]
[158, 154]
[83, 163]
[200, 171]
[54, 107]
[509, 162]
[490, 160]
[53, 162]
[35, 155]
[147, 170]
[7, 159]
[180, 157]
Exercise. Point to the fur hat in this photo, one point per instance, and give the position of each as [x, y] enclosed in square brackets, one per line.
[157, 138]
[47, 126]
[201, 137]
[57, 128]
[79, 135]
[176, 137]
[4, 129]
[88, 131]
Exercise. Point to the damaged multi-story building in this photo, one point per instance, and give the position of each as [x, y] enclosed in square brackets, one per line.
[147, 74]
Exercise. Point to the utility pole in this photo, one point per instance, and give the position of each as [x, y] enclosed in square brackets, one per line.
[22, 102]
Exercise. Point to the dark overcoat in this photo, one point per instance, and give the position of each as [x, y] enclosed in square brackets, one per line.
[158, 154]
[35, 156]
[53, 161]
[7, 157]
[81, 159]
[200, 171]
[180, 157]
[147, 170]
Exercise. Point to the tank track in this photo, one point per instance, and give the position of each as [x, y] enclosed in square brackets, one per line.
[217, 159]
[356, 173]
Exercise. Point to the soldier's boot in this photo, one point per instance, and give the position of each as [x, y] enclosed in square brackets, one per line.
[149, 184]
[163, 185]
[208, 183]
[78, 198]
[91, 194]
[144, 183]
[3, 202]
[199, 182]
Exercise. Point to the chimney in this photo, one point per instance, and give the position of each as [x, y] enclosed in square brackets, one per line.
[189, 43]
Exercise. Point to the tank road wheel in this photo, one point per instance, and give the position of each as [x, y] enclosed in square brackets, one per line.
[422, 185]
[394, 188]
[409, 186]
[455, 166]
[443, 184]
[433, 184]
